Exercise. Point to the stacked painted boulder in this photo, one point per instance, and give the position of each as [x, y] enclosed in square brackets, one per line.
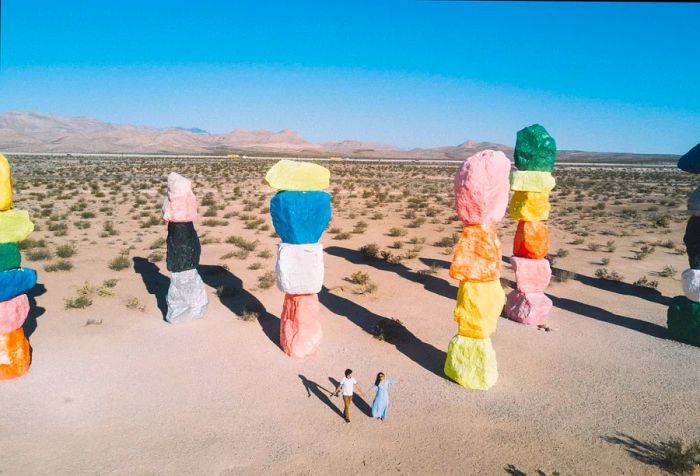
[187, 297]
[300, 213]
[481, 198]
[684, 313]
[15, 281]
[535, 154]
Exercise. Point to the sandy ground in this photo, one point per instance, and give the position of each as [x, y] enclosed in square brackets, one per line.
[135, 395]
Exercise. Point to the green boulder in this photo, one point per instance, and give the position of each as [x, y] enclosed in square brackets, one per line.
[684, 320]
[535, 149]
[9, 256]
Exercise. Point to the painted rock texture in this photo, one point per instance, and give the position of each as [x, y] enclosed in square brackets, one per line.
[535, 149]
[691, 284]
[180, 204]
[10, 257]
[683, 320]
[531, 181]
[187, 297]
[531, 275]
[690, 161]
[528, 308]
[300, 325]
[477, 255]
[300, 217]
[15, 282]
[691, 239]
[183, 247]
[480, 187]
[5, 184]
[297, 176]
[300, 268]
[471, 362]
[478, 307]
[529, 206]
[14, 354]
[15, 226]
[531, 240]
[13, 313]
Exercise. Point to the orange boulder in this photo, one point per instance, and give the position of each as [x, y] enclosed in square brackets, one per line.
[531, 240]
[477, 254]
[14, 354]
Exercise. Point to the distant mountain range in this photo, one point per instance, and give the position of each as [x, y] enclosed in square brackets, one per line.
[36, 132]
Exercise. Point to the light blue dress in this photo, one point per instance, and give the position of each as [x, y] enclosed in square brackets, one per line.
[381, 398]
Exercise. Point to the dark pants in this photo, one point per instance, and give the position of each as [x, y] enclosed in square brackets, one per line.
[346, 411]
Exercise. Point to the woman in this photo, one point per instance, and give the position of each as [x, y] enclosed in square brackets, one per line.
[381, 397]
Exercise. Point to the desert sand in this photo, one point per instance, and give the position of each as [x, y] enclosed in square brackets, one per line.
[113, 389]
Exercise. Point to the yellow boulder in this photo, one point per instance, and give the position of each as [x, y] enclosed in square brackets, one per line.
[471, 363]
[479, 305]
[531, 181]
[5, 184]
[297, 176]
[529, 206]
[15, 226]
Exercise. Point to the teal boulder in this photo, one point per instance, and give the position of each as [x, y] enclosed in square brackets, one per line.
[683, 320]
[10, 257]
[300, 218]
[16, 282]
[535, 149]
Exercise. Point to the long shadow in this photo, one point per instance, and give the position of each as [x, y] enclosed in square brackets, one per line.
[35, 311]
[655, 454]
[356, 399]
[600, 314]
[155, 282]
[238, 300]
[617, 287]
[321, 393]
[433, 284]
[406, 342]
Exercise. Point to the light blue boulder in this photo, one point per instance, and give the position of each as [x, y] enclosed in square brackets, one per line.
[300, 218]
[15, 282]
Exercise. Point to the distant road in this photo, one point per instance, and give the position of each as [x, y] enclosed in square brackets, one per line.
[325, 159]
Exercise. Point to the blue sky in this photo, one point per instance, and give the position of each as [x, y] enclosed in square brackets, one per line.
[599, 76]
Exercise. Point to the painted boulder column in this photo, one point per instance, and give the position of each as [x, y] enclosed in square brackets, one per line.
[683, 316]
[187, 297]
[535, 155]
[300, 213]
[15, 282]
[481, 198]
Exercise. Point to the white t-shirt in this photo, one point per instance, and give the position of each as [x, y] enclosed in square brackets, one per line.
[347, 384]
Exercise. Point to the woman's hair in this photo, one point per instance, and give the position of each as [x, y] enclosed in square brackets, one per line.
[379, 378]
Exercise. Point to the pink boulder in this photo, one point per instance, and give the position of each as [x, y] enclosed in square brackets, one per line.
[481, 188]
[300, 326]
[531, 275]
[180, 204]
[13, 313]
[528, 308]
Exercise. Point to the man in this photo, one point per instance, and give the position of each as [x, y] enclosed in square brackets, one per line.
[347, 385]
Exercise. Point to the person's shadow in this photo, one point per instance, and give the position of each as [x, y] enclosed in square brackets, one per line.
[35, 311]
[424, 354]
[155, 282]
[232, 294]
[321, 393]
[356, 399]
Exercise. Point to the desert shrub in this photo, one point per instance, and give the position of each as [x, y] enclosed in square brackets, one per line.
[603, 273]
[255, 266]
[38, 254]
[267, 280]
[65, 251]
[561, 253]
[668, 272]
[448, 241]
[388, 330]
[593, 246]
[249, 316]
[156, 257]
[60, 265]
[264, 254]
[135, 305]
[610, 246]
[29, 244]
[343, 235]
[358, 277]
[646, 283]
[159, 243]
[214, 222]
[79, 302]
[395, 232]
[242, 243]
[643, 252]
[119, 263]
[370, 251]
[577, 241]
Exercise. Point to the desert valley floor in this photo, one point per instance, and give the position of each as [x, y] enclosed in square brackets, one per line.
[113, 389]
